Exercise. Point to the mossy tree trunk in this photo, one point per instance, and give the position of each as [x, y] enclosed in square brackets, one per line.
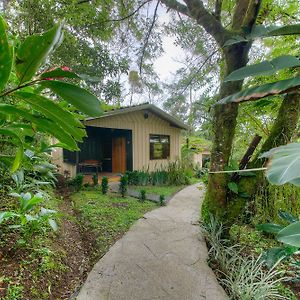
[235, 56]
[224, 124]
[281, 133]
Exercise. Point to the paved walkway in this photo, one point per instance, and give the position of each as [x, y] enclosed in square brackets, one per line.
[162, 257]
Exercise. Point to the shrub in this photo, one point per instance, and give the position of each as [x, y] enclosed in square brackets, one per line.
[162, 200]
[175, 173]
[123, 185]
[27, 213]
[142, 196]
[104, 185]
[244, 277]
[77, 181]
[95, 179]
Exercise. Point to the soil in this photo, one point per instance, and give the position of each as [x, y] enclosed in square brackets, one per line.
[74, 241]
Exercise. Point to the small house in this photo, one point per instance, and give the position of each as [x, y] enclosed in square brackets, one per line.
[130, 138]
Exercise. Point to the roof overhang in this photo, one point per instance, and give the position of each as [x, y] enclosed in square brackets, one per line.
[146, 107]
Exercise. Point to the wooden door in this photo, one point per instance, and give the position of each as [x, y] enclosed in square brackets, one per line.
[119, 155]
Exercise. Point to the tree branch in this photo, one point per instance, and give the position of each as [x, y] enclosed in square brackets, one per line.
[207, 21]
[218, 9]
[148, 35]
[175, 5]
[245, 14]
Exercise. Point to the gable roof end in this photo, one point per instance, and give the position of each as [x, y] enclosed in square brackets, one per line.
[150, 107]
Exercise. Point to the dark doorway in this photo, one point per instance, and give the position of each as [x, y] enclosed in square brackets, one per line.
[111, 147]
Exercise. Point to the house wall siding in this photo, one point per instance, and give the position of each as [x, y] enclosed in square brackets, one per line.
[141, 130]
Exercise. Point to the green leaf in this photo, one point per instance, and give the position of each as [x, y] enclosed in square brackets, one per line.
[273, 255]
[80, 98]
[290, 235]
[54, 112]
[233, 187]
[261, 31]
[28, 203]
[18, 159]
[59, 73]
[43, 125]
[264, 68]
[286, 216]
[265, 90]
[6, 215]
[53, 224]
[34, 50]
[6, 55]
[269, 227]
[284, 164]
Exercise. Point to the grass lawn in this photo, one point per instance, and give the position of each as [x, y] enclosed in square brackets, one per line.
[108, 216]
[158, 190]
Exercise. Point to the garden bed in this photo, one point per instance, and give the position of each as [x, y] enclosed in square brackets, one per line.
[52, 265]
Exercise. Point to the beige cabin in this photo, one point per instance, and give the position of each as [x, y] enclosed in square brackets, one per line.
[132, 138]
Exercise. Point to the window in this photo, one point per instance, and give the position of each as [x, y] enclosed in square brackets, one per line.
[159, 146]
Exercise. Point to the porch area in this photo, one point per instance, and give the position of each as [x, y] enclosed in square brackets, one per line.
[105, 152]
[112, 177]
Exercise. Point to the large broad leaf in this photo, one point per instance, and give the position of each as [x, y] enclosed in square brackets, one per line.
[6, 55]
[58, 73]
[290, 235]
[261, 31]
[273, 255]
[265, 90]
[264, 68]
[34, 50]
[284, 165]
[42, 124]
[269, 227]
[286, 216]
[80, 98]
[55, 113]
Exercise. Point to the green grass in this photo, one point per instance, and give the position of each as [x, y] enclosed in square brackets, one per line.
[108, 216]
[158, 190]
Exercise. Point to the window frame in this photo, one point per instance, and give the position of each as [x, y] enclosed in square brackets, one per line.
[160, 136]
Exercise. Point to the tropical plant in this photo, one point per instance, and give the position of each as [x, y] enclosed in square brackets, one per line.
[77, 181]
[162, 200]
[123, 185]
[25, 214]
[104, 185]
[244, 277]
[38, 102]
[142, 195]
[95, 179]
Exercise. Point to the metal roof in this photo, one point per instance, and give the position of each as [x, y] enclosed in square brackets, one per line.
[145, 106]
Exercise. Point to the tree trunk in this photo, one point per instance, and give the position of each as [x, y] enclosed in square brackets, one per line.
[224, 123]
[284, 125]
[281, 134]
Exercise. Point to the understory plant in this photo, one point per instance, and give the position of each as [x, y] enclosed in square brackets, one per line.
[162, 200]
[244, 277]
[77, 181]
[95, 179]
[175, 173]
[123, 185]
[104, 185]
[142, 195]
[26, 213]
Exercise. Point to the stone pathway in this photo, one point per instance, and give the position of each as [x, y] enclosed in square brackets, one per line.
[163, 257]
